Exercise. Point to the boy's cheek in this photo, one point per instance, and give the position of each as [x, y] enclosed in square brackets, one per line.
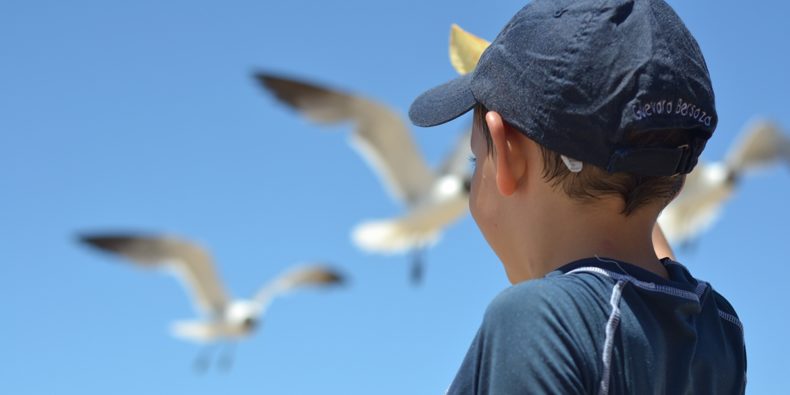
[479, 204]
[474, 191]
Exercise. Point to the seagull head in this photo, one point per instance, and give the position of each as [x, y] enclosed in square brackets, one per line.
[720, 174]
[243, 314]
[450, 185]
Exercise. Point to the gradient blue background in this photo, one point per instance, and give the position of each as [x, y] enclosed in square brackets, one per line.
[143, 116]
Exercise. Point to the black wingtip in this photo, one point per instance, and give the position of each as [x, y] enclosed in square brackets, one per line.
[92, 240]
[338, 278]
[284, 87]
[277, 82]
[334, 276]
[104, 241]
[264, 78]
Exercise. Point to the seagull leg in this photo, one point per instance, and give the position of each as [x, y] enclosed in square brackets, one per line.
[690, 245]
[202, 360]
[417, 266]
[226, 359]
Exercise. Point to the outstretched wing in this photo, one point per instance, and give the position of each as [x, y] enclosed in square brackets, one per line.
[381, 136]
[311, 275]
[698, 204]
[191, 263]
[761, 143]
[465, 49]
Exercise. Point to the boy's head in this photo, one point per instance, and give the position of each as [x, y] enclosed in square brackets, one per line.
[590, 183]
[618, 85]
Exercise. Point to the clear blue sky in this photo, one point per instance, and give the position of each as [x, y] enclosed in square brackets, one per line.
[143, 116]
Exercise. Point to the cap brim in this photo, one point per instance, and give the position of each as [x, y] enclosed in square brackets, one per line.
[443, 103]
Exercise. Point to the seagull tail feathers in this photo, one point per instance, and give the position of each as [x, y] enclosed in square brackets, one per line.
[392, 236]
[196, 331]
[684, 229]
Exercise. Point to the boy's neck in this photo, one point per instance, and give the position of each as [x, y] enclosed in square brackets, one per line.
[559, 231]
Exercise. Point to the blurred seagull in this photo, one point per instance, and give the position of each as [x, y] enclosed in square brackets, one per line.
[224, 319]
[434, 198]
[709, 185]
[465, 49]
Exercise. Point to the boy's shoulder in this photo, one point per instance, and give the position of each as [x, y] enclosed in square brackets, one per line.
[581, 327]
[557, 295]
[577, 298]
[540, 335]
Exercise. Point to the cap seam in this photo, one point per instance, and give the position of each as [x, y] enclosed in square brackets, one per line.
[565, 60]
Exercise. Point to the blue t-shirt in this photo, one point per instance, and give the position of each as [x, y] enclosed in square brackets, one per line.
[599, 326]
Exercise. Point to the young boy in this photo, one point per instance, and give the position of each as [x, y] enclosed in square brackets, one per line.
[588, 115]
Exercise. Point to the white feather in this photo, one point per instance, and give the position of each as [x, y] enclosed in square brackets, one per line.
[709, 186]
[420, 227]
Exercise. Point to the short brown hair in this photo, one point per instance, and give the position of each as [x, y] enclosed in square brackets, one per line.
[594, 182]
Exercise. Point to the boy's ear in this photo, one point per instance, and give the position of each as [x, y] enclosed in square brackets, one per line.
[508, 153]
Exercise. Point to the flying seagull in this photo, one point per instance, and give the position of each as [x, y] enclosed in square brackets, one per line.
[709, 185]
[434, 198]
[223, 318]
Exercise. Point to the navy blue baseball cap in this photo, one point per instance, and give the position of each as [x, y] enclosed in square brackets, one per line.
[584, 77]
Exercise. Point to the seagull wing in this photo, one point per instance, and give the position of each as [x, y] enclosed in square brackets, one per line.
[698, 204]
[381, 136]
[760, 144]
[420, 227]
[319, 275]
[191, 263]
[465, 49]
